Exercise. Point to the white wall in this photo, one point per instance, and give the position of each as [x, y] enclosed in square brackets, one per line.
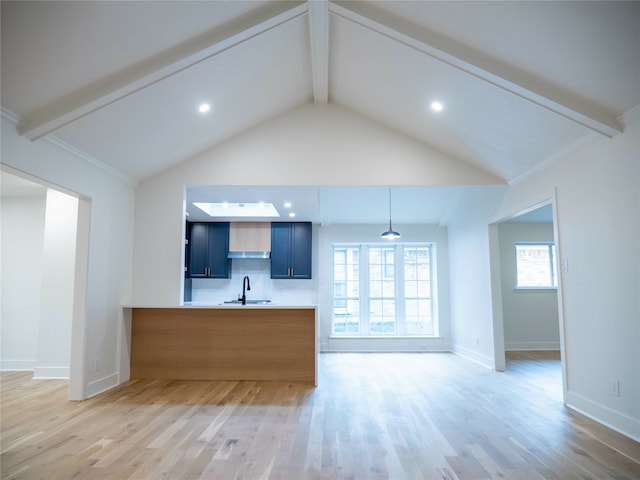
[472, 332]
[530, 316]
[108, 270]
[305, 146]
[598, 204]
[22, 238]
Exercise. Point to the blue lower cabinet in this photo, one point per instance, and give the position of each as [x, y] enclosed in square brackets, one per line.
[291, 250]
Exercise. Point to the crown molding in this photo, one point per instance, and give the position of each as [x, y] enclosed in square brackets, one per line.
[629, 116]
[625, 119]
[9, 115]
[582, 142]
[88, 158]
[17, 120]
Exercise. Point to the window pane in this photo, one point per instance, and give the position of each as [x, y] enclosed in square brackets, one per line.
[424, 289]
[339, 272]
[417, 289]
[382, 290]
[382, 317]
[535, 265]
[418, 318]
[388, 289]
[344, 319]
[346, 290]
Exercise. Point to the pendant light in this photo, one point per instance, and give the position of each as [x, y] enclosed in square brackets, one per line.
[390, 234]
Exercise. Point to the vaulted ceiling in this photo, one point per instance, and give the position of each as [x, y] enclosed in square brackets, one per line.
[522, 83]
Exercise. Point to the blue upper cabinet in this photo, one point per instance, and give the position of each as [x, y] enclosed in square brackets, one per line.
[291, 250]
[208, 250]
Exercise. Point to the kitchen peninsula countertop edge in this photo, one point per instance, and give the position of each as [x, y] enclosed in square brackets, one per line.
[224, 306]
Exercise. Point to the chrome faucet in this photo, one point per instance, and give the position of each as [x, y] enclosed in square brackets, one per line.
[247, 285]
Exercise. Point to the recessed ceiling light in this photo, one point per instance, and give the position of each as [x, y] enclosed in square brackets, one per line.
[204, 108]
[287, 205]
[437, 106]
[291, 214]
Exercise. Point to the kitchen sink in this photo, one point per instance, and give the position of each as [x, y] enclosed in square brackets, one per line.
[249, 302]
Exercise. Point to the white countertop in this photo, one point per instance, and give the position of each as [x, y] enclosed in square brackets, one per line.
[224, 306]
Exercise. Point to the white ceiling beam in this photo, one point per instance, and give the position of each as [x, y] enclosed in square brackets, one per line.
[319, 33]
[157, 68]
[474, 63]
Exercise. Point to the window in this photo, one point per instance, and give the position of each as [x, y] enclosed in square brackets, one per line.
[383, 290]
[536, 265]
[346, 288]
[417, 291]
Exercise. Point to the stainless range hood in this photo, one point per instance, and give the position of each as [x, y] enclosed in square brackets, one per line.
[250, 240]
[245, 254]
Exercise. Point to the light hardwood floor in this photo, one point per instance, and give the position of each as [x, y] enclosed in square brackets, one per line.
[395, 416]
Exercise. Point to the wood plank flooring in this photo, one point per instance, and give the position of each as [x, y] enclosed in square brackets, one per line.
[372, 416]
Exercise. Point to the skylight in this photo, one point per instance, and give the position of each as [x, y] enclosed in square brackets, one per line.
[260, 209]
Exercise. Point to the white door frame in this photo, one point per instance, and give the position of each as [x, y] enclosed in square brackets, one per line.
[496, 286]
[77, 384]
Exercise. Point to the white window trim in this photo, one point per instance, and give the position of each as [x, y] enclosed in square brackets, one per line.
[364, 296]
[552, 265]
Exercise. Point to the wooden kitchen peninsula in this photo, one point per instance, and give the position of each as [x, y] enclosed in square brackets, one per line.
[273, 343]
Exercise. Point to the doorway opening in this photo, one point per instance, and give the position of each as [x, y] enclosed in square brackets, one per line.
[45, 243]
[527, 317]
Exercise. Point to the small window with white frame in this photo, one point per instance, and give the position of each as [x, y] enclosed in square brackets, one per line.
[536, 265]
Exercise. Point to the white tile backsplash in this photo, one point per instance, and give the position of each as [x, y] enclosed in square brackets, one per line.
[284, 292]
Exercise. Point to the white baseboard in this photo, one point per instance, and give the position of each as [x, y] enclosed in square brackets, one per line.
[41, 373]
[17, 365]
[473, 356]
[617, 421]
[509, 346]
[372, 344]
[101, 385]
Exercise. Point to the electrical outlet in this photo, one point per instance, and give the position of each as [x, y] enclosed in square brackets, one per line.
[477, 341]
[95, 364]
[615, 387]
